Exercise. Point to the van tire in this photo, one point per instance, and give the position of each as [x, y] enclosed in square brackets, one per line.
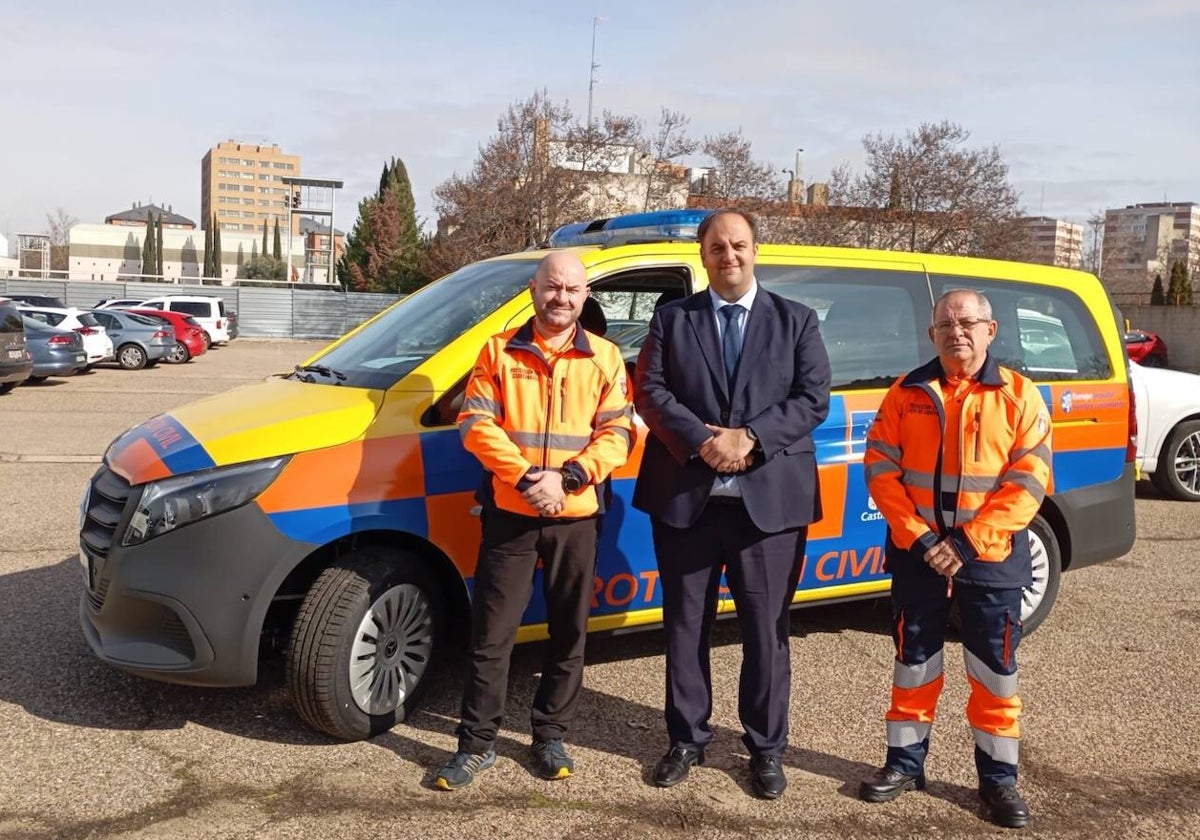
[1036, 602]
[370, 585]
[1183, 442]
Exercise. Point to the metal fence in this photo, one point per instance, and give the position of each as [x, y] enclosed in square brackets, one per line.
[279, 312]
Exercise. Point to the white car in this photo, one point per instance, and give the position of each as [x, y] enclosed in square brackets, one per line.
[1168, 425]
[209, 310]
[119, 303]
[96, 342]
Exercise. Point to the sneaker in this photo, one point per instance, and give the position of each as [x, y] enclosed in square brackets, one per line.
[460, 771]
[551, 759]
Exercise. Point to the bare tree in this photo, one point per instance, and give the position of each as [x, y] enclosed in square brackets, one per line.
[669, 144]
[736, 177]
[58, 228]
[1093, 254]
[936, 194]
[539, 171]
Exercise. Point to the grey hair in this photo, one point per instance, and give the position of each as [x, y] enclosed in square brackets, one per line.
[985, 305]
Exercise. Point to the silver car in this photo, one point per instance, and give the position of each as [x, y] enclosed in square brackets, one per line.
[138, 341]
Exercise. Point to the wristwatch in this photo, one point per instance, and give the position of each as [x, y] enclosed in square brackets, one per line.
[571, 483]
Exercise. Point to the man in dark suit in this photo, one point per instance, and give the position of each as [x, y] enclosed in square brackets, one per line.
[731, 383]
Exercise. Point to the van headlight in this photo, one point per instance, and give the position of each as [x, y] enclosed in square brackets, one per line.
[174, 502]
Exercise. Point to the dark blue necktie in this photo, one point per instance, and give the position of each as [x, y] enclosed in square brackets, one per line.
[731, 344]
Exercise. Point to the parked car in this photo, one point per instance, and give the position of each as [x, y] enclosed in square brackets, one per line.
[15, 362]
[1168, 433]
[140, 341]
[36, 300]
[117, 303]
[55, 352]
[208, 310]
[96, 341]
[189, 335]
[1146, 348]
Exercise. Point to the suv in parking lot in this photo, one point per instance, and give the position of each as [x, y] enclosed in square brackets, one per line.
[208, 310]
[15, 361]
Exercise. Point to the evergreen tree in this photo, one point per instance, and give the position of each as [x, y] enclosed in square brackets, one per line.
[264, 247]
[208, 236]
[1157, 296]
[218, 257]
[895, 195]
[149, 260]
[278, 242]
[241, 262]
[1179, 290]
[253, 250]
[385, 251]
[158, 247]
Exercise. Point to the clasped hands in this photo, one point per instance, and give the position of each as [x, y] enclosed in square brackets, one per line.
[728, 450]
[944, 559]
[546, 494]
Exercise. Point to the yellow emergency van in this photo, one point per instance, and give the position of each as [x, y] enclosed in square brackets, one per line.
[330, 513]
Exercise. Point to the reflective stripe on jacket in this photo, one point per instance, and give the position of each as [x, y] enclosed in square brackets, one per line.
[522, 412]
[1003, 475]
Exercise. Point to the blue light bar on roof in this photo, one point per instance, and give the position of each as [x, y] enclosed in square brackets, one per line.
[656, 226]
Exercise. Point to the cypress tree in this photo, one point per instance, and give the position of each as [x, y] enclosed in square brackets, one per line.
[264, 247]
[1175, 289]
[149, 260]
[158, 247]
[1157, 296]
[208, 237]
[278, 242]
[218, 257]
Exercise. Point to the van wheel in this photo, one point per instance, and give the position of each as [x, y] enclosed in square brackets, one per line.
[131, 357]
[363, 641]
[1037, 600]
[1178, 471]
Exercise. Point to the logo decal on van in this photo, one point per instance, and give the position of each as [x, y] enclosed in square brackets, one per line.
[1064, 402]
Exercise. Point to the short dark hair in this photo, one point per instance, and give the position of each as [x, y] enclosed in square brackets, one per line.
[708, 220]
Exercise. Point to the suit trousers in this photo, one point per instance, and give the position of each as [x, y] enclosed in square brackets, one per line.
[508, 557]
[762, 570]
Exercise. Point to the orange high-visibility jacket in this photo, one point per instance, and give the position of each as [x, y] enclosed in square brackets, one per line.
[522, 413]
[1004, 469]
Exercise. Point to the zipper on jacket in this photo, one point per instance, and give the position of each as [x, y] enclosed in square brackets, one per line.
[549, 417]
[562, 401]
[977, 423]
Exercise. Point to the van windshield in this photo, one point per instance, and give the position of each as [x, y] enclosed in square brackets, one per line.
[419, 326]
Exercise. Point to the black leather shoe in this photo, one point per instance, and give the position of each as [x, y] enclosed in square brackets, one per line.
[886, 783]
[766, 776]
[674, 766]
[1003, 806]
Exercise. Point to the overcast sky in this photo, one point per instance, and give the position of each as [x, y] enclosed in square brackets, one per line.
[1093, 104]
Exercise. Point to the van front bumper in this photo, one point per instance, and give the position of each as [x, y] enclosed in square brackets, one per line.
[187, 606]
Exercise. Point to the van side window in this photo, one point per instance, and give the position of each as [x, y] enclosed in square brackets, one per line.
[630, 299]
[1045, 333]
[873, 321]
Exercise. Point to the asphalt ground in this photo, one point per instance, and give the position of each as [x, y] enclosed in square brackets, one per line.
[1111, 684]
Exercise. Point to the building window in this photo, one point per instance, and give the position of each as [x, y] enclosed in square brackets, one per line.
[248, 187]
[264, 164]
[247, 162]
[264, 177]
[279, 165]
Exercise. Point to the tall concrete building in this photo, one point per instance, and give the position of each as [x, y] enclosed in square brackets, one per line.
[1143, 240]
[1054, 241]
[242, 184]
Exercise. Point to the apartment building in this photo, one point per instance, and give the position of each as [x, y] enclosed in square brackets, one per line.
[242, 184]
[1054, 241]
[1143, 240]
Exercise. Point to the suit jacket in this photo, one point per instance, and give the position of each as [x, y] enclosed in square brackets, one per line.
[781, 391]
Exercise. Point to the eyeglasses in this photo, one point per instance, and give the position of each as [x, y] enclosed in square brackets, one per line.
[966, 324]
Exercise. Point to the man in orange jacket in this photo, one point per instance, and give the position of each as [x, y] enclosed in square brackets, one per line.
[958, 461]
[547, 413]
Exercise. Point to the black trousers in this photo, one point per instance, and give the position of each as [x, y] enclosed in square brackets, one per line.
[762, 571]
[508, 556]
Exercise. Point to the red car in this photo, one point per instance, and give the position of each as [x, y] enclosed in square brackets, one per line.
[1146, 348]
[189, 335]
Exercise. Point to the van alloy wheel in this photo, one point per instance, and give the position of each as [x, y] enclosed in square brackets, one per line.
[363, 642]
[1037, 600]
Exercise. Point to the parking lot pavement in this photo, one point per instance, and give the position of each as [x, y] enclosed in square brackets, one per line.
[1111, 684]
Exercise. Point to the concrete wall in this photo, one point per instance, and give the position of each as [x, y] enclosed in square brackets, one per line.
[1178, 326]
